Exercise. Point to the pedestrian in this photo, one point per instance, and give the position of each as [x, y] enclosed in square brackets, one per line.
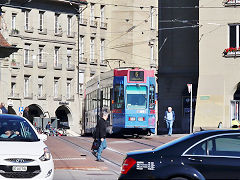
[100, 133]
[26, 113]
[169, 118]
[3, 109]
[48, 126]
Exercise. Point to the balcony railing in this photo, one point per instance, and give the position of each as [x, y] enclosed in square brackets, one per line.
[28, 64]
[58, 66]
[42, 97]
[42, 65]
[83, 61]
[103, 25]
[28, 96]
[58, 98]
[231, 2]
[42, 31]
[15, 65]
[15, 32]
[70, 67]
[93, 61]
[70, 98]
[29, 30]
[14, 96]
[93, 23]
[83, 22]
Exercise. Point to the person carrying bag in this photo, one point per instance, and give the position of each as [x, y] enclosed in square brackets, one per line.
[99, 143]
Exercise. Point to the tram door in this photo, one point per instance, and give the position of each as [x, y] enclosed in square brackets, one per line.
[235, 109]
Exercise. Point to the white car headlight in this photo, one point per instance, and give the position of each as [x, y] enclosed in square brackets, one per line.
[46, 155]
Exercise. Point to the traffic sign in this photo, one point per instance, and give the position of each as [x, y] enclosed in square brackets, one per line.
[20, 109]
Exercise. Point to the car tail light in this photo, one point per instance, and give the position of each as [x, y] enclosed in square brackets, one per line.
[141, 119]
[127, 165]
[132, 119]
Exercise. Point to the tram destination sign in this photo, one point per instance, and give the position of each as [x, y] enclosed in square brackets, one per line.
[136, 76]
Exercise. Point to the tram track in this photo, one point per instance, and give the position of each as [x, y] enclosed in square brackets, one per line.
[84, 149]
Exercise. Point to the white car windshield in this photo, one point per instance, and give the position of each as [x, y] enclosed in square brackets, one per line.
[16, 130]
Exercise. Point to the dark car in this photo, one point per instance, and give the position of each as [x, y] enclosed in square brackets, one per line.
[211, 154]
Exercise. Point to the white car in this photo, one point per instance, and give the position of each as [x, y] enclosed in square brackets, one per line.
[23, 154]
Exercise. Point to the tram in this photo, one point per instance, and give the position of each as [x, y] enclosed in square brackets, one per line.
[130, 94]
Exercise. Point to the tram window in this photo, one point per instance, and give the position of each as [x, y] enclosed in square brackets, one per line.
[136, 97]
[152, 97]
[119, 96]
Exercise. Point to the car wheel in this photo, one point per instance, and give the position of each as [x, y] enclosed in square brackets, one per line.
[179, 178]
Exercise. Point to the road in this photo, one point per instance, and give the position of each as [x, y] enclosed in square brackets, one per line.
[73, 159]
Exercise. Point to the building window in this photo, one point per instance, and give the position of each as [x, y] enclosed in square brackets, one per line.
[40, 86]
[81, 46]
[92, 44]
[92, 13]
[14, 21]
[27, 19]
[26, 86]
[40, 53]
[234, 36]
[55, 88]
[57, 27]
[56, 56]
[69, 88]
[69, 57]
[41, 20]
[102, 14]
[152, 17]
[13, 86]
[81, 81]
[69, 25]
[102, 51]
[26, 53]
[81, 15]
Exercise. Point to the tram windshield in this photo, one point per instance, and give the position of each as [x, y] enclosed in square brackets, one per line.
[136, 97]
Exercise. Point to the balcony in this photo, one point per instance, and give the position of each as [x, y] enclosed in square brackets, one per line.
[103, 25]
[15, 32]
[15, 65]
[28, 64]
[70, 67]
[93, 23]
[58, 98]
[42, 65]
[28, 96]
[14, 96]
[71, 35]
[231, 3]
[83, 22]
[70, 98]
[58, 66]
[29, 30]
[231, 52]
[42, 97]
[93, 61]
[42, 31]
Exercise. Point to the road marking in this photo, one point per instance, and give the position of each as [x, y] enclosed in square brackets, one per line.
[68, 159]
[114, 150]
[120, 142]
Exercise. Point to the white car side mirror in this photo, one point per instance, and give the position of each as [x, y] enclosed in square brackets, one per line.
[42, 137]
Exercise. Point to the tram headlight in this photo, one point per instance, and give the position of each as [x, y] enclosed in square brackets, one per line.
[132, 119]
[141, 119]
